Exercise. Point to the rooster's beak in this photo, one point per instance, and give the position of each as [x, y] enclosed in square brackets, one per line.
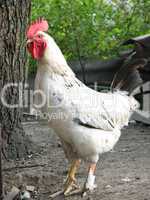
[29, 41]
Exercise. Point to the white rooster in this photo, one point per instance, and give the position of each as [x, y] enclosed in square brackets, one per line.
[87, 122]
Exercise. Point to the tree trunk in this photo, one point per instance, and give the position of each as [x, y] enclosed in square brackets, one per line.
[13, 21]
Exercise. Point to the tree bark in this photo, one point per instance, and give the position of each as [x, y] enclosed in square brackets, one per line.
[13, 22]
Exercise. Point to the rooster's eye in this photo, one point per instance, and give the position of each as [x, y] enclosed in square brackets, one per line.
[40, 36]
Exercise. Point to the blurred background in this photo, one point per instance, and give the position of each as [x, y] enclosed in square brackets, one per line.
[92, 28]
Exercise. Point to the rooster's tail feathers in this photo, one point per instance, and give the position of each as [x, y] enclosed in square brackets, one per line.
[128, 77]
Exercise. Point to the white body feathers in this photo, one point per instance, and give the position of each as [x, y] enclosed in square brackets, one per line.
[88, 121]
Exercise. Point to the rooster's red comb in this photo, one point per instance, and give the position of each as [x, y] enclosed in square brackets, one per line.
[38, 25]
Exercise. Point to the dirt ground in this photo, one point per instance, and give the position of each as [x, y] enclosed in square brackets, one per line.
[123, 174]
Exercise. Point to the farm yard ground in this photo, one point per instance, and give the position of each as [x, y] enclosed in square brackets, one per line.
[123, 174]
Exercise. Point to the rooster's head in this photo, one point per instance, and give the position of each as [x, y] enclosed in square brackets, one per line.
[37, 39]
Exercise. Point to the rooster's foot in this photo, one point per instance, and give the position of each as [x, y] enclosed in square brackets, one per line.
[69, 191]
[70, 185]
[88, 188]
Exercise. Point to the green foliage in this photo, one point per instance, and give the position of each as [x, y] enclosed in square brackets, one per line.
[93, 28]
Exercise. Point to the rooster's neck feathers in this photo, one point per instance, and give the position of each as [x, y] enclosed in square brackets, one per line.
[53, 60]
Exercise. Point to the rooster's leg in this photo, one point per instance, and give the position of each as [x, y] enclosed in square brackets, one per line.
[89, 184]
[71, 181]
[90, 181]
